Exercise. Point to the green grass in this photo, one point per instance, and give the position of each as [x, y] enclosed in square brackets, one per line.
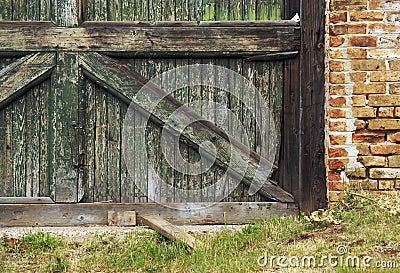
[368, 228]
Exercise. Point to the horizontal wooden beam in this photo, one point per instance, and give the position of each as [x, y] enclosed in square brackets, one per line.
[26, 200]
[120, 80]
[185, 214]
[23, 74]
[219, 38]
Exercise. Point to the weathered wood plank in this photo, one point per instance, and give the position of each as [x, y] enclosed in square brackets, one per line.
[97, 214]
[6, 160]
[128, 187]
[5, 10]
[169, 230]
[181, 149]
[66, 13]
[312, 173]
[221, 38]
[88, 122]
[113, 138]
[128, 10]
[124, 83]
[63, 139]
[19, 147]
[45, 10]
[26, 72]
[26, 200]
[122, 218]
[43, 97]
[101, 189]
[33, 10]
[32, 134]
[114, 12]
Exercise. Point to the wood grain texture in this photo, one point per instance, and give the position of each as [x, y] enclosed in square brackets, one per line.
[184, 10]
[26, 200]
[97, 214]
[312, 169]
[169, 230]
[172, 37]
[122, 218]
[122, 82]
[26, 72]
[62, 136]
[6, 160]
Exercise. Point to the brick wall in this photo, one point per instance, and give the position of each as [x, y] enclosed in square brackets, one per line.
[362, 95]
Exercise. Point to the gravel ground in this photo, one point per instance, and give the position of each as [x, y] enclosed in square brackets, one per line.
[82, 233]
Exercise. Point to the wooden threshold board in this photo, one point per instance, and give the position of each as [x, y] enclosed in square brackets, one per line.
[82, 214]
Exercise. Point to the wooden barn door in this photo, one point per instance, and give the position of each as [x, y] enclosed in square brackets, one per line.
[61, 112]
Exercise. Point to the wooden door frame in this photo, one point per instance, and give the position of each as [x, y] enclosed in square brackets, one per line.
[302, 153]
[302, 150]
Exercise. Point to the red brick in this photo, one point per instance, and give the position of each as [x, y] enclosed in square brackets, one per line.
[337, 113]
[335, 41]
[337, 126]
[337, 152]
[336, 66]
[335, 54]
[337, 90]
[369, 137]
[369, 88]
[362, 41]
[337, 78]
[338, 17]
[348, 29]
[385, 149]
[362, 16]
[337, 139]
[337, 164]
[358, 77]
[357, 53]
[337, 102]
[334, 176]
[336, 186]
[368, 65]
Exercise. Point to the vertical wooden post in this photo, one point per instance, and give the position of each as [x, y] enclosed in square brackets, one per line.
[302, 152]
[289, 154]
[64, 128]
[312, 166]
[63, 100]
